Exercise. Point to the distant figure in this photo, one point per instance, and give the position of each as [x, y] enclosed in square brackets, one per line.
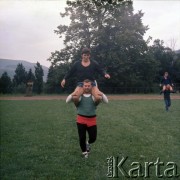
[29, 88]
[167, 97]
[166, 81]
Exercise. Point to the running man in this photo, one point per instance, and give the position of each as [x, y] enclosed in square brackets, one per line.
[86, 117]
[167, 97]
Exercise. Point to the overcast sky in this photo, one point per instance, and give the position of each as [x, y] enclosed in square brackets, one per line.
[27, 27]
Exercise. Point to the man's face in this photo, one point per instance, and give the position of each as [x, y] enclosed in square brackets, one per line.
[87, 87]
[166, 74]
[85, 57]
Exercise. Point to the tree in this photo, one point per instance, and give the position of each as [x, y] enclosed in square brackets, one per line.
[39, 73]
[104, 25]
[176, 70]
[20, 79]
[54, 77]
[20, 76]
[5, 84]
[165, 58]
[30, 76]
[114, 34]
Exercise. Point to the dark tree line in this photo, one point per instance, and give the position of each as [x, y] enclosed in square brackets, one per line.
[114, 33]
[21, 79]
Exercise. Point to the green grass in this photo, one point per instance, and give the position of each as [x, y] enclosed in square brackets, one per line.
[39, 139]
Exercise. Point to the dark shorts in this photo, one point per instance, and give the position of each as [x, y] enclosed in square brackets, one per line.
[80, 84]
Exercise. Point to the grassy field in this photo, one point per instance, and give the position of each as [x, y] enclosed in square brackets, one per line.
[39, 139]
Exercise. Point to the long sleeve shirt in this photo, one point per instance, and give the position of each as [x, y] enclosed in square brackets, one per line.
[166, 81]
[81, 72]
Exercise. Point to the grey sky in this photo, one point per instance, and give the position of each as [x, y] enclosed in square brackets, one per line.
[27, 27]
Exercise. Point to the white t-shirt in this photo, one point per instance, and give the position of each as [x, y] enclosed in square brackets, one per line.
[87, 95]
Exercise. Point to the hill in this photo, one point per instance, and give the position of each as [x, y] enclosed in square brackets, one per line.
[9, 66]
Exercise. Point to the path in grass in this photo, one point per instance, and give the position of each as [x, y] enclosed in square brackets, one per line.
[111, 97]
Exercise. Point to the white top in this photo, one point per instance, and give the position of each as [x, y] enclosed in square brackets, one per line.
[87, 95]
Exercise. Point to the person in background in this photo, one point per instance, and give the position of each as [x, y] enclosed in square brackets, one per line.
[167, 97]
[166, 81]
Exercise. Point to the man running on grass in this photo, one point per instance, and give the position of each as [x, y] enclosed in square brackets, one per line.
[86, 116]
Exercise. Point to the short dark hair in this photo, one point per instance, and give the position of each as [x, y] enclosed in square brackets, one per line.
[87, 81]
[86, 51]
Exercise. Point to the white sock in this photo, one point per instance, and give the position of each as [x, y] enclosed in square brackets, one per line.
[84, 152]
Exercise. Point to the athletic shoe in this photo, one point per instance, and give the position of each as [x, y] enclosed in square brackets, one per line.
[88, 148]
[69, 99]
[85, 155]
[105, 99]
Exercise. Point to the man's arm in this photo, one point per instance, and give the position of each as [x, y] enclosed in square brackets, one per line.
[161, 81]
[69, 74]
[104, 100]
[170, 81]
[101, 71]
[70, 99]
[96, 102]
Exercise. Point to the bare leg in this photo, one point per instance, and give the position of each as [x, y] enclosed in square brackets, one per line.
[76, 94]
[164, 88]
[97, 93]
[171, 89]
